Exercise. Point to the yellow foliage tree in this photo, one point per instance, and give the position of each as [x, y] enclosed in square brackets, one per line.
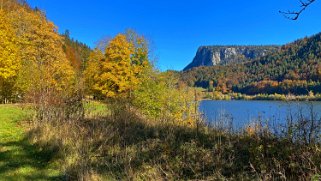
[9, 64]
[44, 63]
[122, 68]
[116, 75]
[8, 49]
[40, 71]
[92, 70]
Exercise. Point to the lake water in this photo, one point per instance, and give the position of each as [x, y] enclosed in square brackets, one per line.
[239, 114]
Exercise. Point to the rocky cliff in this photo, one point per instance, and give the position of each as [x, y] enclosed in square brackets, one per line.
[223, 55]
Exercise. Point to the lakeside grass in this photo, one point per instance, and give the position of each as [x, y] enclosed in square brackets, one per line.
[20, 160]
[126, 146]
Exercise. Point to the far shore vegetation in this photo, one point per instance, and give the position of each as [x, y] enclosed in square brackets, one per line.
[215, 95]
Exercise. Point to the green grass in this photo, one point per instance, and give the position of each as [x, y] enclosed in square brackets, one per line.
[20, 160]
[95, 109]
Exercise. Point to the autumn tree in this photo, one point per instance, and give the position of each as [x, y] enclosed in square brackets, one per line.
[121, 69]
[92, 72]
[8, 5]
[45, 77]
[44, 63]
[76, 52]
[9, 64]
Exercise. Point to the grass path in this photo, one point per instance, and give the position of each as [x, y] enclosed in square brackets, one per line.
[19, 160]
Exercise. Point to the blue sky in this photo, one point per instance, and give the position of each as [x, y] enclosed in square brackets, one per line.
[176, 28]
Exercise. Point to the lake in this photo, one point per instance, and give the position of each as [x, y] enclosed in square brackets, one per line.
[239, 114]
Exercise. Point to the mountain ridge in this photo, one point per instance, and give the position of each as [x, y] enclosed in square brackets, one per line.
[227, 54]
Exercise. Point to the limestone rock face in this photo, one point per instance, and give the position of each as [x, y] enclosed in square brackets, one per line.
[224, 55]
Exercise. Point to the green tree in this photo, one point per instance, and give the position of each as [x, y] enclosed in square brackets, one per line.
[161, 97]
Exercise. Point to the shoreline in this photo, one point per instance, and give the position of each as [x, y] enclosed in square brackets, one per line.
[262, 97]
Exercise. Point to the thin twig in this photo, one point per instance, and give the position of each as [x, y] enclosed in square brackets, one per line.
[294, 15]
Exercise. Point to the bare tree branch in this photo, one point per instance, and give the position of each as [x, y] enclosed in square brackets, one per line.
[294, 15]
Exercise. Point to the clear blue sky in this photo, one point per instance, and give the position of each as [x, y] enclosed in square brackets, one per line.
[176, 28]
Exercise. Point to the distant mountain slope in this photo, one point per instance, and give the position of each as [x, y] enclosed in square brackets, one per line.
[223, 55]
[295, 69]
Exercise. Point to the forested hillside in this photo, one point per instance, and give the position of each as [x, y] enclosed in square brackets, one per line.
[77, 52]
[33, 56]
[294, 69]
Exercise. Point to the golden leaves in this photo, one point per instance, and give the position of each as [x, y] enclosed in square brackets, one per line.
[8, 49]
[31, 53]
[44, 62]
[120, 70]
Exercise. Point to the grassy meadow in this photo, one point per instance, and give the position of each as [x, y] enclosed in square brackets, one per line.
[19, 159]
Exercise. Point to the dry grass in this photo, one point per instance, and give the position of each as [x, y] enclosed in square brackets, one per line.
[124, 146]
